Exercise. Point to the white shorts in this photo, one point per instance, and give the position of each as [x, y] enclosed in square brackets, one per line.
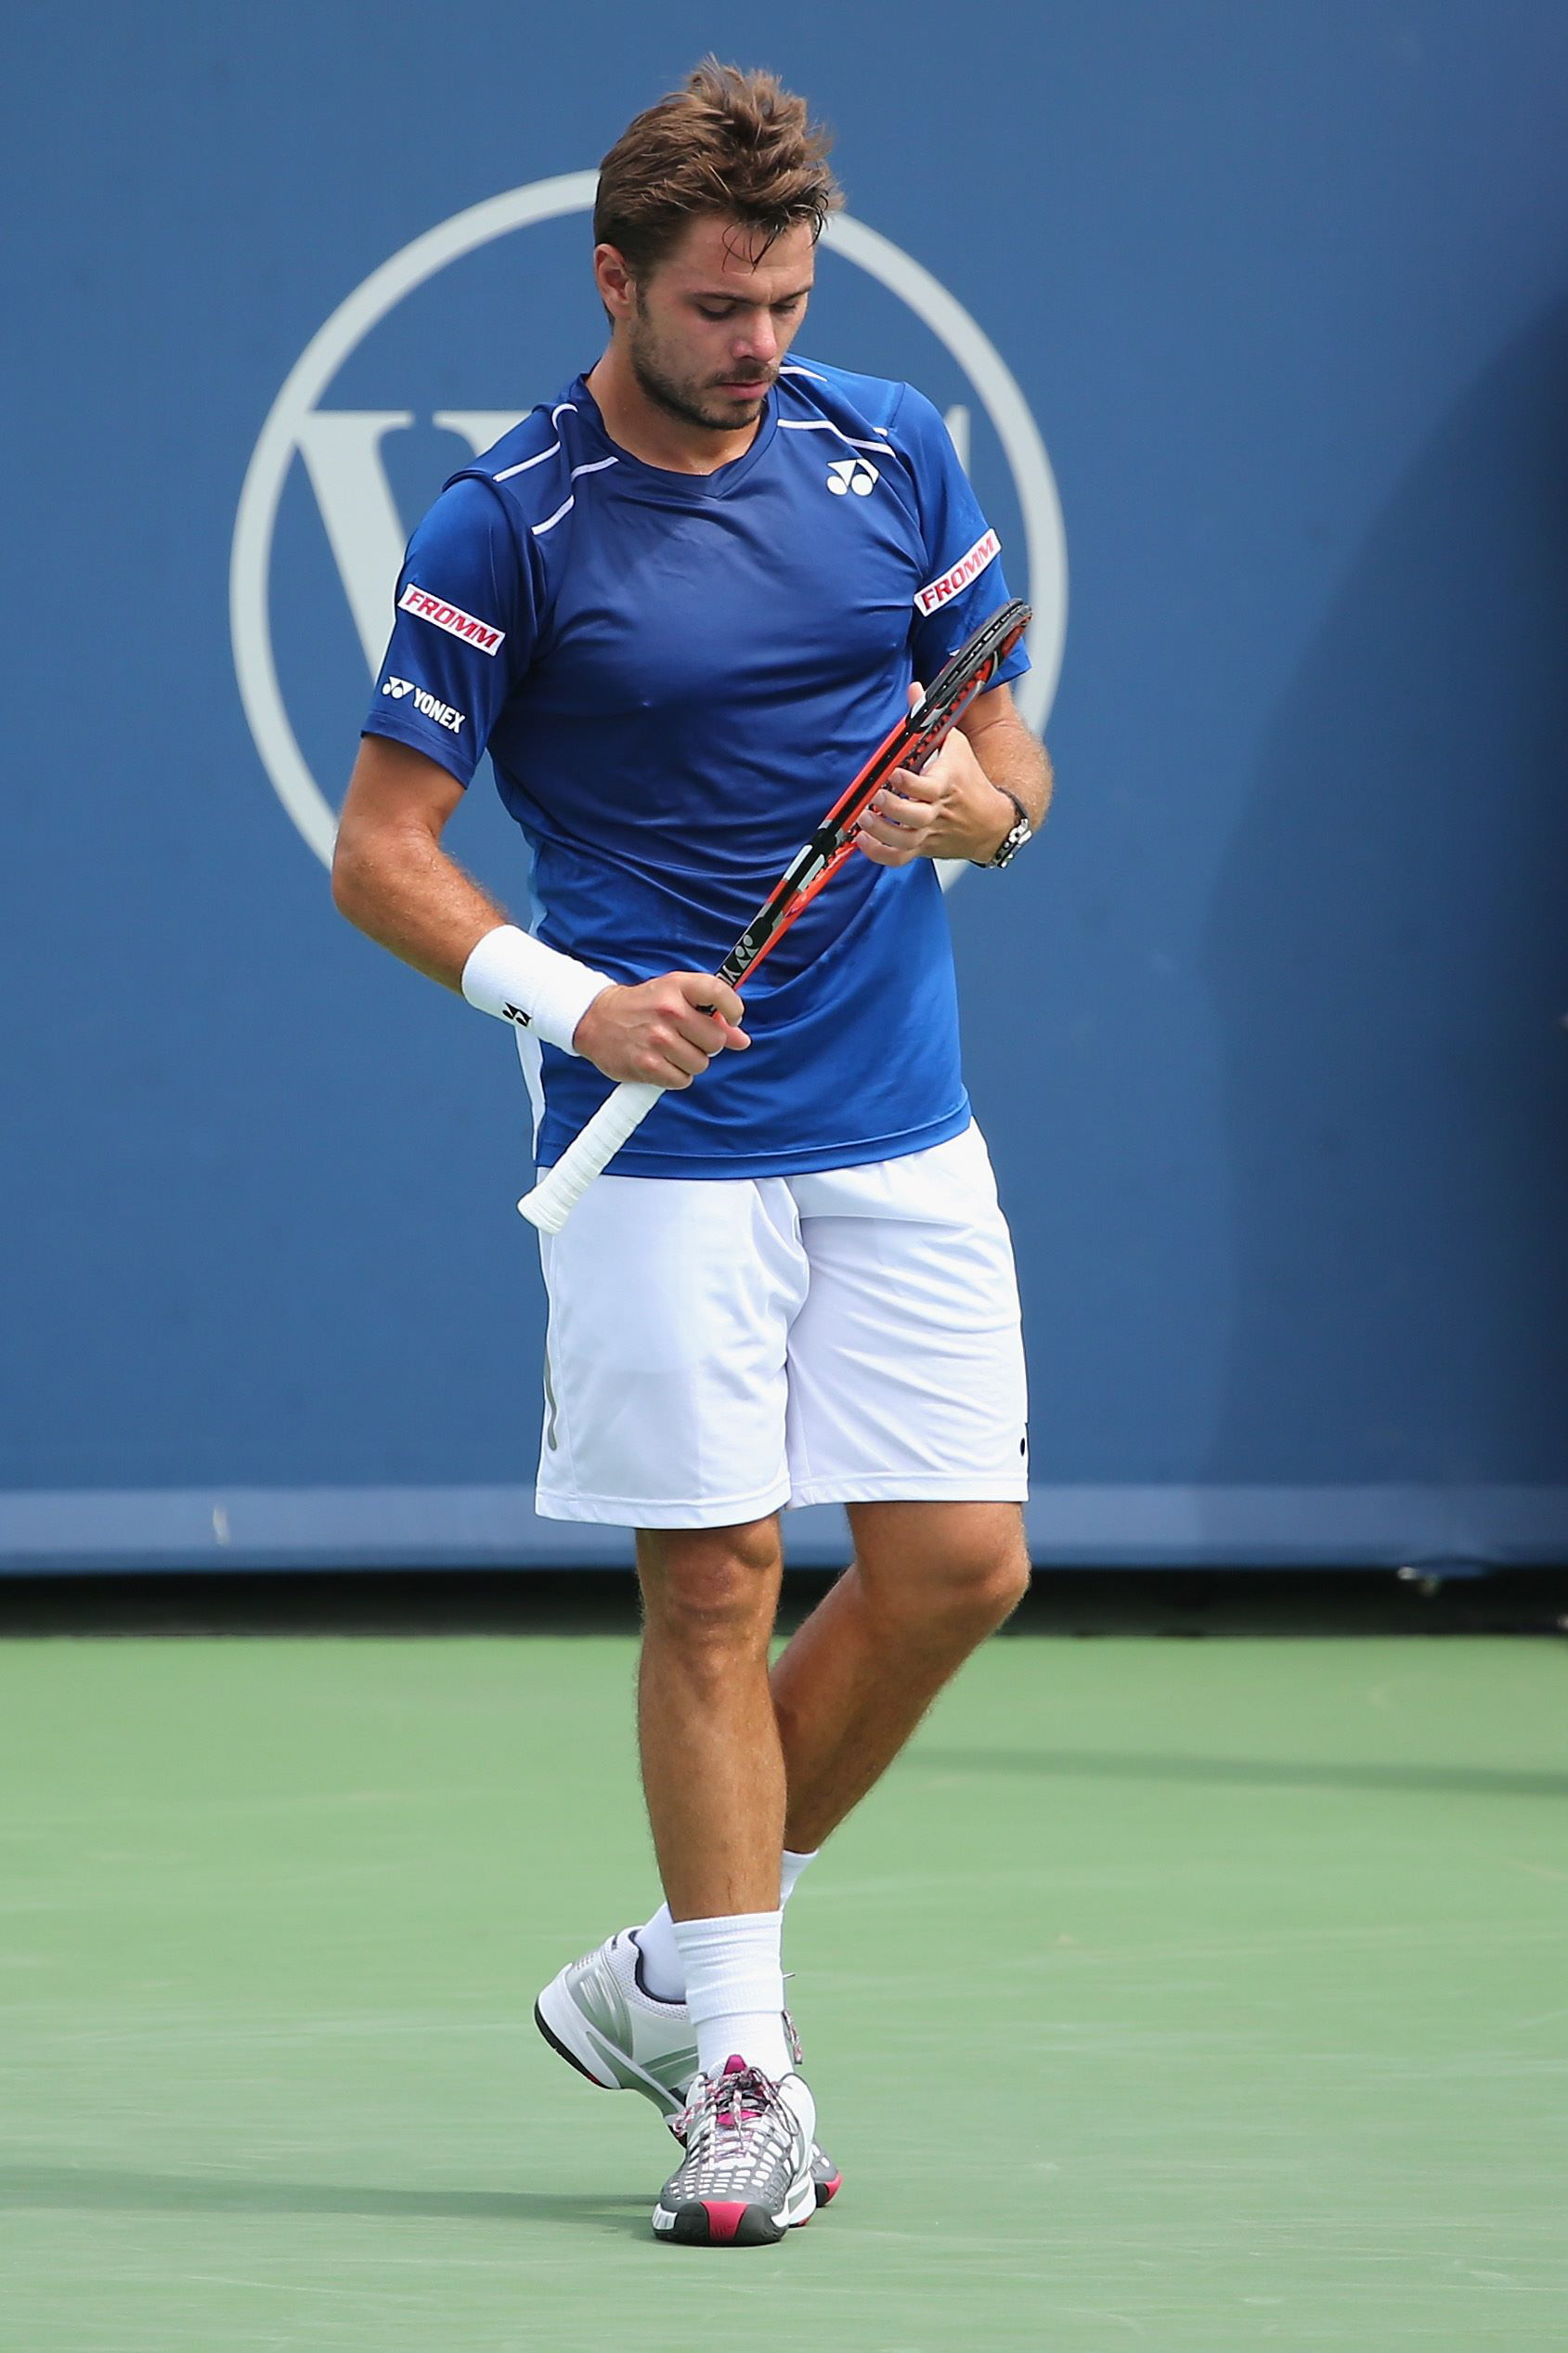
[718, 1348]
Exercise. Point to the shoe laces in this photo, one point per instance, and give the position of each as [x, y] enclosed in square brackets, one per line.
[733, 2100]
[735, 2118]
[680, 2123]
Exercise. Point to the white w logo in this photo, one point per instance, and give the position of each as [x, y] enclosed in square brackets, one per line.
[341, 452]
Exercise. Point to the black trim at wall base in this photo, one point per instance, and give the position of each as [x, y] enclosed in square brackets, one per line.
[402, 1604]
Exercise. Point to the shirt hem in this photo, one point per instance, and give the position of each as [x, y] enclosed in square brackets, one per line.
[798, 1161]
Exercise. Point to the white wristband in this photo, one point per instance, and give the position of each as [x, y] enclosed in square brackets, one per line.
[518, 978]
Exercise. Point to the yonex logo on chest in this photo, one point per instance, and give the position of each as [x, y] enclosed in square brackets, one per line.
[852, 473]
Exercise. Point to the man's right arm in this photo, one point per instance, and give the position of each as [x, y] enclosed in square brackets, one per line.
[394, 881]
[391, 877]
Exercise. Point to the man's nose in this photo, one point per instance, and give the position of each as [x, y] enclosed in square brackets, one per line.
[759, 341]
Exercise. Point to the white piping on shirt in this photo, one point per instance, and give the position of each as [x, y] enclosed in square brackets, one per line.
[596, 465]
[521, 467]
[792, 369]
[524, 463]
[825, 424]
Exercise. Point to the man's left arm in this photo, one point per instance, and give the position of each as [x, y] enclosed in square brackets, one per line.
[961, 804]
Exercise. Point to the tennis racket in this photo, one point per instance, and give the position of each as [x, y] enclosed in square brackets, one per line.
[910, 744]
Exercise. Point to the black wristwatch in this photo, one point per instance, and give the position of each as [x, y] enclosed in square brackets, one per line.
[1018, 834]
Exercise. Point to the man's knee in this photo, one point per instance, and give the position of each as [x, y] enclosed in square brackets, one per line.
[1007, 1580]
[959, 1575]
[710, 1589]
[980, 1589]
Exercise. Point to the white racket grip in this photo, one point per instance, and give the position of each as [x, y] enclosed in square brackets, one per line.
[588, 1154]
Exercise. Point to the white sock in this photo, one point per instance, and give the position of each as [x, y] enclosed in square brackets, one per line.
[660, 1968]
[790, 1870]
[662, 1972]
[735, 1990]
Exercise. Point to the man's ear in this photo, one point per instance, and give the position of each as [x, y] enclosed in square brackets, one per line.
[617, 286]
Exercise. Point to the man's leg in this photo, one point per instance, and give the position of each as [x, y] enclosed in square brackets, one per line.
[905, 1363]
[713, 1773]
[928, 1583]
[712, 1767]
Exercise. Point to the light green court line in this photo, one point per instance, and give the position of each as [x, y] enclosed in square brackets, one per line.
[1176, 1996]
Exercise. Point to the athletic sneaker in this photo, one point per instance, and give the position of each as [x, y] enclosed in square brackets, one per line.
[746, 2173]
[600, 2018]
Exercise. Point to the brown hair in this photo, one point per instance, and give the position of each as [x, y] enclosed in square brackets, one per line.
[731, 143]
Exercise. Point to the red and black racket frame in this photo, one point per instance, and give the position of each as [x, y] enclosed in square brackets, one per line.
[909, 745]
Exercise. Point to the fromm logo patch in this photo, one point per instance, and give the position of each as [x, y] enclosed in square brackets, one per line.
[452, 619]
[968, 567]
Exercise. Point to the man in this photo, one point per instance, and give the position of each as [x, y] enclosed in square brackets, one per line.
[680, 603]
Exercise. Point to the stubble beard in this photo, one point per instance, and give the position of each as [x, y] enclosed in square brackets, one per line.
[677, 399]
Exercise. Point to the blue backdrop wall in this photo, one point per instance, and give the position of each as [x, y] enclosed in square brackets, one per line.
[1267, 1033]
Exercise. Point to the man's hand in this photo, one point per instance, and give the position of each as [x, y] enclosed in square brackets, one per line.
[662, 1029]
[949, 810]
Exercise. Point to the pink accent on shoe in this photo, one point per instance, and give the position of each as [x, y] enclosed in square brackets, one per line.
[733, 2065]
[826, 2190]
[723, 2218]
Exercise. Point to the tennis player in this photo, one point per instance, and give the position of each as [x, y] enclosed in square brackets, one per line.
[680, 604]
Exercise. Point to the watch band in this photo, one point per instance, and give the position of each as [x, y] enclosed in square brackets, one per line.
[1021, 831]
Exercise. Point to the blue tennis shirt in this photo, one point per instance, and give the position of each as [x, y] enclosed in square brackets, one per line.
[676, 675]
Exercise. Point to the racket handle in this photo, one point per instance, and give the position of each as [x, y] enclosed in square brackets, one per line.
[588, 1154]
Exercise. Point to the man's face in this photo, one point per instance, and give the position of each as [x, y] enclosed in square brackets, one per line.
[709, 327]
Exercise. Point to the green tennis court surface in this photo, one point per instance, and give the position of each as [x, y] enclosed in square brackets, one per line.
[1171, 1995]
